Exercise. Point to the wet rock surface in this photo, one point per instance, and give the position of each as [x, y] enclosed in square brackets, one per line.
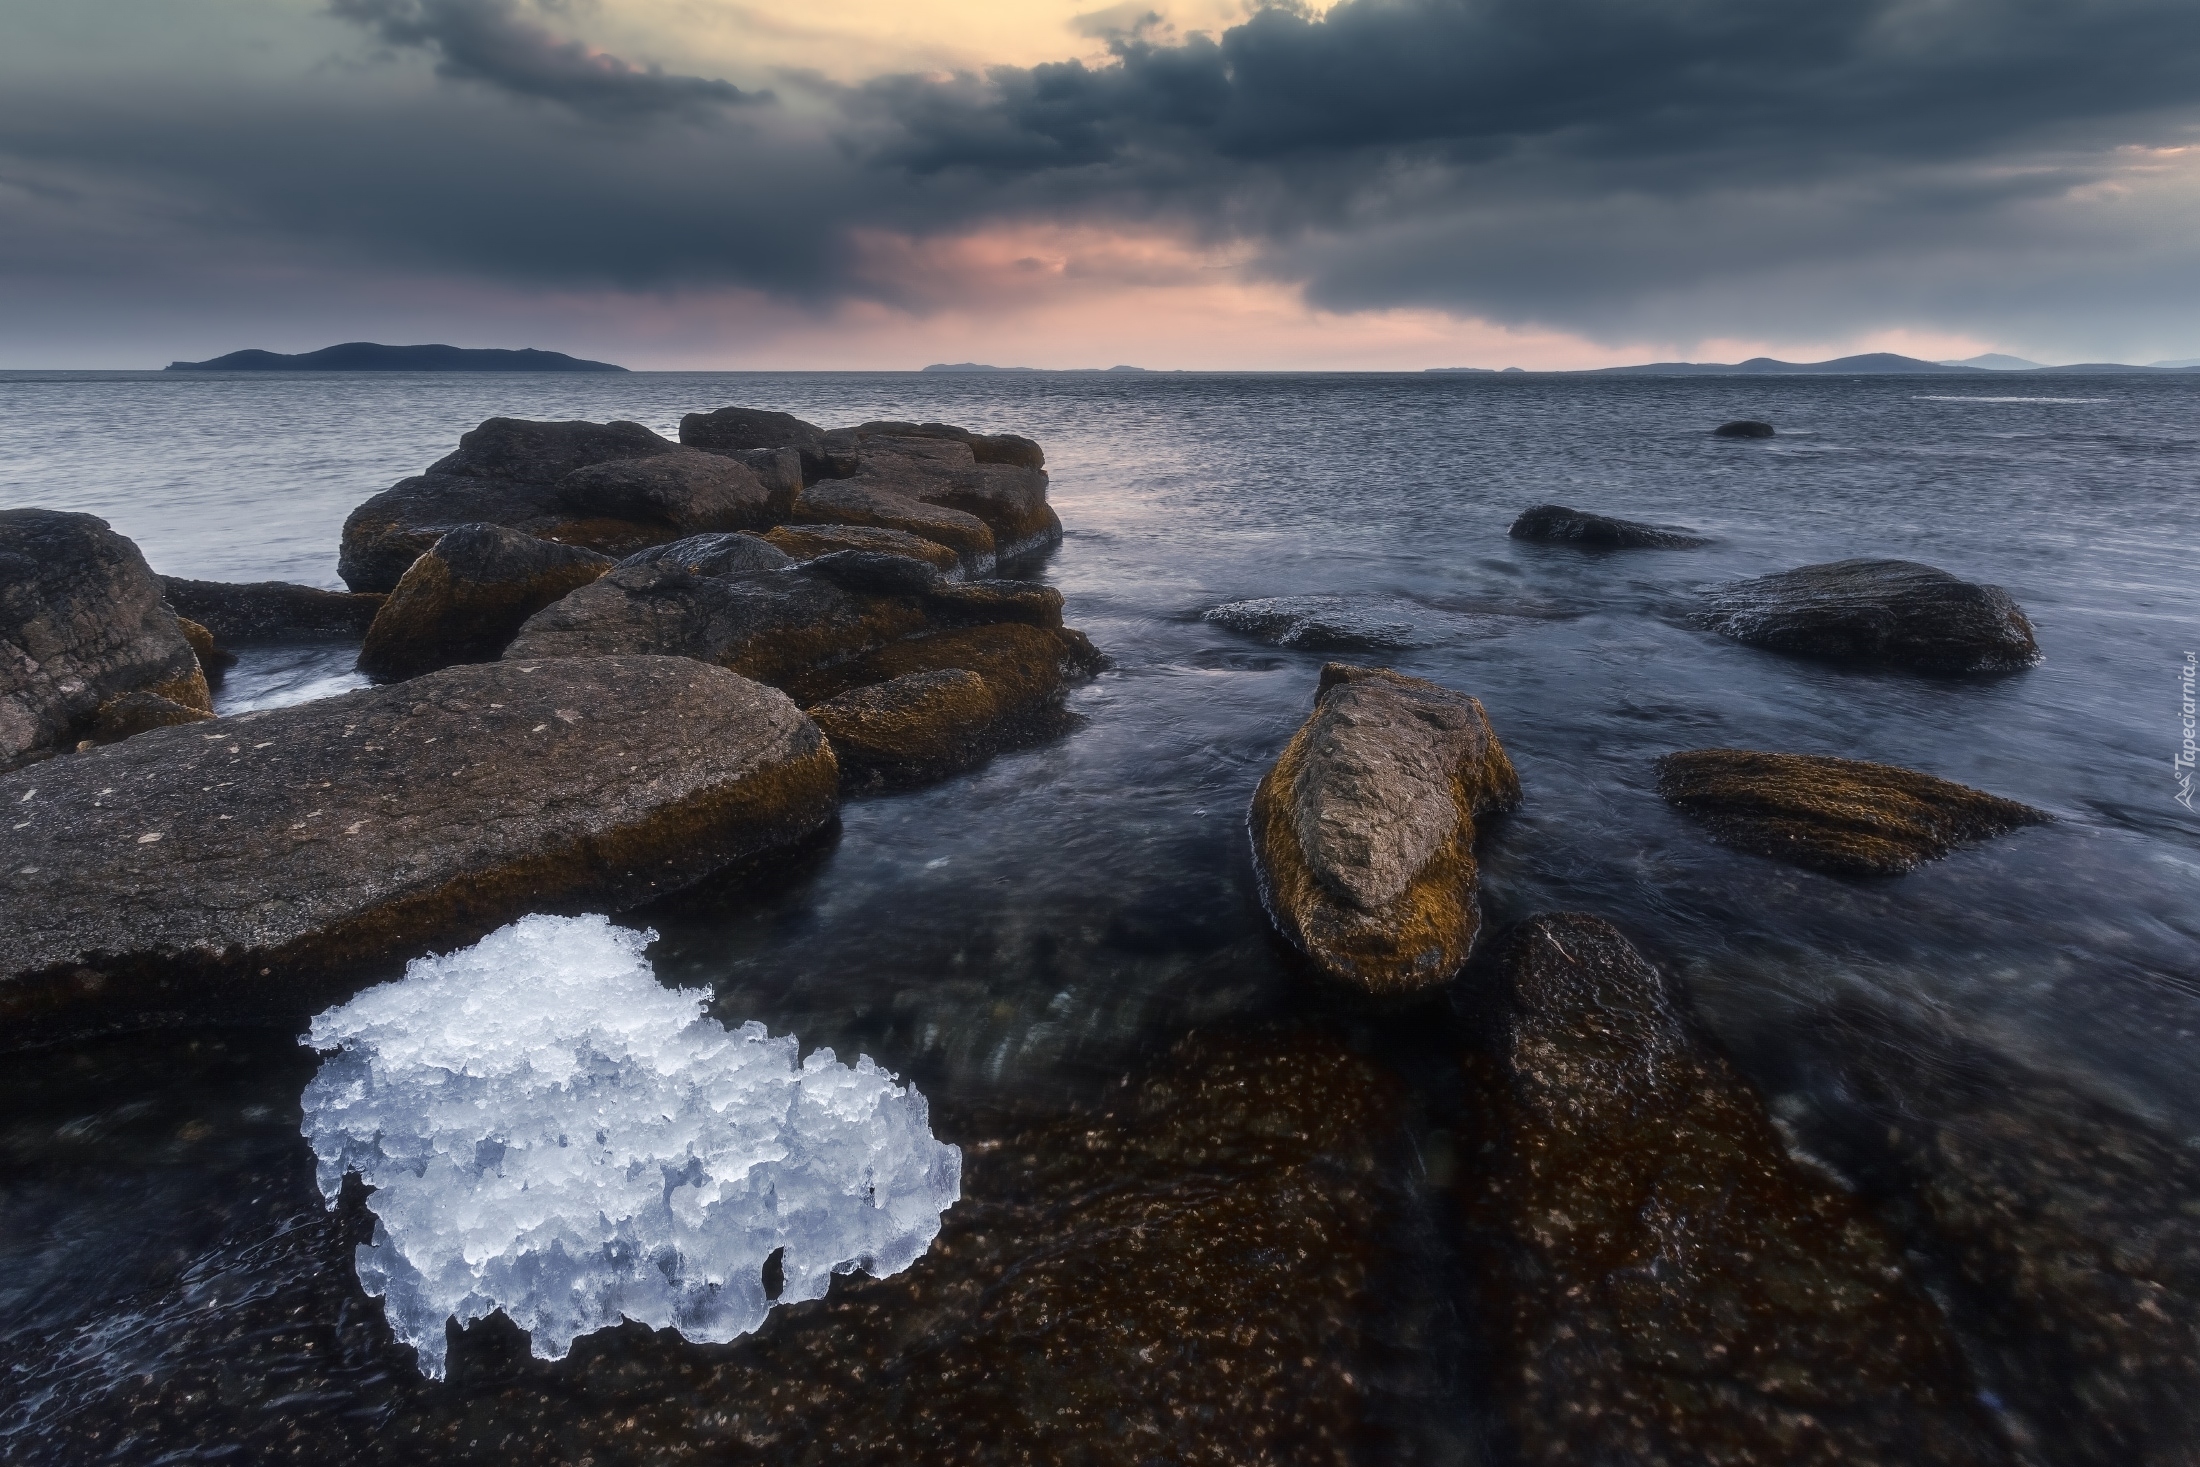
[271, 611]
[937, 465]
[82, 622]
[1320, 623]
[713, 555]
[1185, 1271]
[1841, 815]
[807, 542]
[1662, 1283]
[869, 501]
[509, 472]
[1363, 831]
[919, 726]
[468, 595]
[1026, 668]
[1889, 611]
[241, 867]
[737, 430]
[2066, 1229]
[1555, 524]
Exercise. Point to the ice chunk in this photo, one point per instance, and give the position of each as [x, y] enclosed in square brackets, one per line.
[551, 1132]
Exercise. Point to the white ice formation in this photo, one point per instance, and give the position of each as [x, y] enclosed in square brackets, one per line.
[551, 1132]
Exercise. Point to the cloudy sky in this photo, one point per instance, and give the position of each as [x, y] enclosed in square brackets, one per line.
[865, 183]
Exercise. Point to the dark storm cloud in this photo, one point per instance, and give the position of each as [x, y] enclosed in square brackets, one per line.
[491, 41]
[1610, 166]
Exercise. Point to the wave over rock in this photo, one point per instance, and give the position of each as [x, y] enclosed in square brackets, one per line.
[551, 1133]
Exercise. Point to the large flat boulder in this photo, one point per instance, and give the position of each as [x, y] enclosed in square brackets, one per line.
[82, 622]
[468, 595]
[1889, 611]
[1841, 815]
[1363, 831]
[271, 611]
[512, 472]
[1661, 1281]
[885, 505]
[771, 625]
[252, 866]
[733, 431]
[944, 469]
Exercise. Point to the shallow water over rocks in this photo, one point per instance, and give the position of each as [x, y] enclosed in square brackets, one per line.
[1044, 940]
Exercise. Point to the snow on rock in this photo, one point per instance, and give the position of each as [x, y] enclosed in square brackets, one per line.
[550, 1132]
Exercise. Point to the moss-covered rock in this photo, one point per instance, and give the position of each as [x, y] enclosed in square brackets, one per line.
[136, 713]
[1661, 1282]
[467, 597]
[919, 726]
[807, 542]
[1840, 815]
[1025, 667]
[1363, 831]
[251, 866]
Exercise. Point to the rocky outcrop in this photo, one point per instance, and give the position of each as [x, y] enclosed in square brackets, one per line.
[940, 468]
[515, 473]
[807, 542]
[713, 555]
[136, 713]
[985, 448]
[82, 622]
[1744, 428]
[1363, 831]
[1890, 611]
[1661, 1282]
[270, 611]
[1026, 669]
[468, 595]
[250, 866]
[870, 501]
[769, 625]
[1555, 524]
[920, 726]
[985, 602]
[1839, 815]
[737, 430]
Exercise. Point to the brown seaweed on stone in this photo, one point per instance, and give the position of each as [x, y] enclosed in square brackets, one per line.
[1841, 815]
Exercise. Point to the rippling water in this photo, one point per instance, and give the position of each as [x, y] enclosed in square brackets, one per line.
[1019, 938]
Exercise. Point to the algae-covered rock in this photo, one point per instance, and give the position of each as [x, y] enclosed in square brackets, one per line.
[135, 713]
[1363, 831]
[1661, 1282]
[919, 726]
[1555, 524]
[82, 622]
[1026, 668]
[1840, 815]
[1890, 611]
[271, 611]
[467, 597]
[245, 866]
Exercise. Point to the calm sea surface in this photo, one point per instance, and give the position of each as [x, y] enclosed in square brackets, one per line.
[1019, 937]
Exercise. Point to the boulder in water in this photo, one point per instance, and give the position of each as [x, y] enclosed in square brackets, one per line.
[248, 867]
[1363, 831]
[942, 469]
[82, 622]
[738, 430]
[1555, 524]
[1744, 428]
[919, 726]
[1026, 668]
[1319, 623]
[271, 611]
[1840, 815]
[467, 597]
[1661, 1282]
[1891, 611]
[713, 555]
[807, 542]
[869, 501]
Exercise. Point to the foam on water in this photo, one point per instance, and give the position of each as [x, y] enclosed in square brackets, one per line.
[551, 1132]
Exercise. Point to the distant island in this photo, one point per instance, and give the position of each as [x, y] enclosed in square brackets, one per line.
[960, 367]
[1870, 363]
[371, 356]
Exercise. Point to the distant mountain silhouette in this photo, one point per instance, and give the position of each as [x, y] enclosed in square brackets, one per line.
[370, 356]
[1869, 362]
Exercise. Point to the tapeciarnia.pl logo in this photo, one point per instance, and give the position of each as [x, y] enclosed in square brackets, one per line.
[2182, 765]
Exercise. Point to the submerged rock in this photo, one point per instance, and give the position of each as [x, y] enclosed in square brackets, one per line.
[1744, 428]
[248, 866]
[1320, 623]
[467, 597]
[1555, 524]
[82, 622]
[919, 726]
[1363, 831]
[512, 472]
[271, 611]
[1893, 611]
[1661, 1281]
[2067, 1229]
[807, 542]
[1840, 815]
